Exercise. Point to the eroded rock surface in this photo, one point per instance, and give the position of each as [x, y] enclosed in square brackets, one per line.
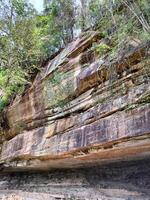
[83, 109]
[117, 181]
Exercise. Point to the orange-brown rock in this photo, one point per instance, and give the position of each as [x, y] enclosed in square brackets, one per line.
[82, 110]
[81, 104]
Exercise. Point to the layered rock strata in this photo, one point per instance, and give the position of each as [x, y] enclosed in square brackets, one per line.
[117, 181]
[82, 109]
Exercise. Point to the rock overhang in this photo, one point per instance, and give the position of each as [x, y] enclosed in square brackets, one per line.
[75, 114]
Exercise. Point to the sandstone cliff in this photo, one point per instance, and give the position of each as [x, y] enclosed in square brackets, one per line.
[83, 109]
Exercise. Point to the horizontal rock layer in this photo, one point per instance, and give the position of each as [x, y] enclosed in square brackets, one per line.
[82, 109]
[117, 181]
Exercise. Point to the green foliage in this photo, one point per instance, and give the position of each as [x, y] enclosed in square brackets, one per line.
[20, 47]
[57, 24]
[100, 48]
[122, 22]
[11, 82]
[59, 89]
[26, 39]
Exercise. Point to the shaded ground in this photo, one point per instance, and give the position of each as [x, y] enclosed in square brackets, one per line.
[124, 180]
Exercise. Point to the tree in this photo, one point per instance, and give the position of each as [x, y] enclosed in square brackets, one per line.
[60, 21]
[19, 50]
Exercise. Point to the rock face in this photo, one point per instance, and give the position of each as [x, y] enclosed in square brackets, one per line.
[117, 181]
[83, 109]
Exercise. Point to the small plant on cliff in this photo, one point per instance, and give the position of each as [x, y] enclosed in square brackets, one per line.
[100, 48]
[59, 89]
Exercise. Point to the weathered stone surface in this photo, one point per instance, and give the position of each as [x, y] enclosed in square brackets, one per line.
[74, 105]
[82, 110]
[117, 181]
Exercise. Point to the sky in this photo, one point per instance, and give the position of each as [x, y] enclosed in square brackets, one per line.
[38, 4]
